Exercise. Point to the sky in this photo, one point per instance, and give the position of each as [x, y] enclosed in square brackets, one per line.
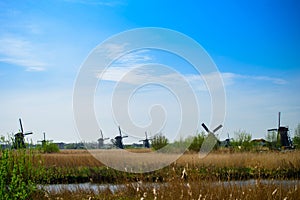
[43, 44]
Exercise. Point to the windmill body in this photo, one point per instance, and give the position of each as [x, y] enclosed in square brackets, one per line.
[44, 141]
[119, 140]
[101, 141]
[283, 138]
[146, 142]
[19, 141]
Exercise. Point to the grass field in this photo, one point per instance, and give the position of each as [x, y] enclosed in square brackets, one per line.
[208, 178]
[265, 160]
[220, 175]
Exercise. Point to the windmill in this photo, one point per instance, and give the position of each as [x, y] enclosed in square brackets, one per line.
[19, 137]
[211, 137]
[101, 140]
[118, 140]
[44, 141]
[211, 132]
[282, 135]
[146, 142]
[227, 141]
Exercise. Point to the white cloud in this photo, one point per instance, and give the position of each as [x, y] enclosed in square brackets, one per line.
[231, 77]
[20, 52]
[137, 76]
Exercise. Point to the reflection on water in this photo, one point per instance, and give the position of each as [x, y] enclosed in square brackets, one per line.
[114, 187]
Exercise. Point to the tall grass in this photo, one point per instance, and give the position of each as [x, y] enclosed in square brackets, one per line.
[182, 189]
[17, 174]
[188, 178]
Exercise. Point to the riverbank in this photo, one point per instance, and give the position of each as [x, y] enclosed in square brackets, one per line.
[79, 166]
[175, 189]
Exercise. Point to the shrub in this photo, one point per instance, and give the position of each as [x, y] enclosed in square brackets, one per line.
[48, 147]
[16, 175]
[159, 141]
[197, 142]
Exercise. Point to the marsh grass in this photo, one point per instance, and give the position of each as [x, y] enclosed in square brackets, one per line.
[187, 178]
[80, 166]
[180, 189]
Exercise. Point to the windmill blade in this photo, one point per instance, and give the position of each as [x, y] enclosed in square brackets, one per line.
[113, 141]
[273, 129]
[205, 127]
[125, 136]
[207, 145]
[146, 134]
[28, 133]
[106, 138]
[101, 133]
[216, 129]
[120, 131]
[21, 125]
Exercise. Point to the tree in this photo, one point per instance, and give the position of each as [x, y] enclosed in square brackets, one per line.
[197, 142]
[296, 139]
[242, 140]
[159, 141]
[272, 139]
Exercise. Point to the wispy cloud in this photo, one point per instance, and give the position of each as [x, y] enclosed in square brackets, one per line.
[231, 77]
[124, 64]
[130, 69]
[136, 75]
[20, 52]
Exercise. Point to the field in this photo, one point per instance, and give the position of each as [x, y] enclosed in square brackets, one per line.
[218, 176]
[264, 160]
[221, 175]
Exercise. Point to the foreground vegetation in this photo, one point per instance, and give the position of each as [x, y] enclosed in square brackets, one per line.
[180, 189]
[188, 178]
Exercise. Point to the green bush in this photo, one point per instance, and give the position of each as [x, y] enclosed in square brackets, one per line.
[242, 141]
[159, 141]
[197, 142]
[16, 175]
[48, 147]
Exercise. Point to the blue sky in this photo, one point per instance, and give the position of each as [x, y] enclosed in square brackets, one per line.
[254, 44]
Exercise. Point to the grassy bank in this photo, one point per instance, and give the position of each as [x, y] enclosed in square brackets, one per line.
[80, 166]
[182, 189]
[188, 178]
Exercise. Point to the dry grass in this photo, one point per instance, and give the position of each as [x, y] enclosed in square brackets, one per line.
[179, 189]
[195, 186]
[265, 160]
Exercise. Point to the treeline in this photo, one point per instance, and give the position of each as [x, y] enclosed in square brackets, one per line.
[242, 141]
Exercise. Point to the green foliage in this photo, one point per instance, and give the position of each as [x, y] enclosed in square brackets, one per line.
[242, 140]
[196, 142]
[48, 147]
[296, 139]
[159, 141]
[16, 175]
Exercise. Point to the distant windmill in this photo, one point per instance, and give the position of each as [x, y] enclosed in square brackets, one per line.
[227, 141]
[19, 137]
[211, 132]
[282, 135]
[101, 140]
[118, 140]
[44, 141]
[146, 142]
[211, 139]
